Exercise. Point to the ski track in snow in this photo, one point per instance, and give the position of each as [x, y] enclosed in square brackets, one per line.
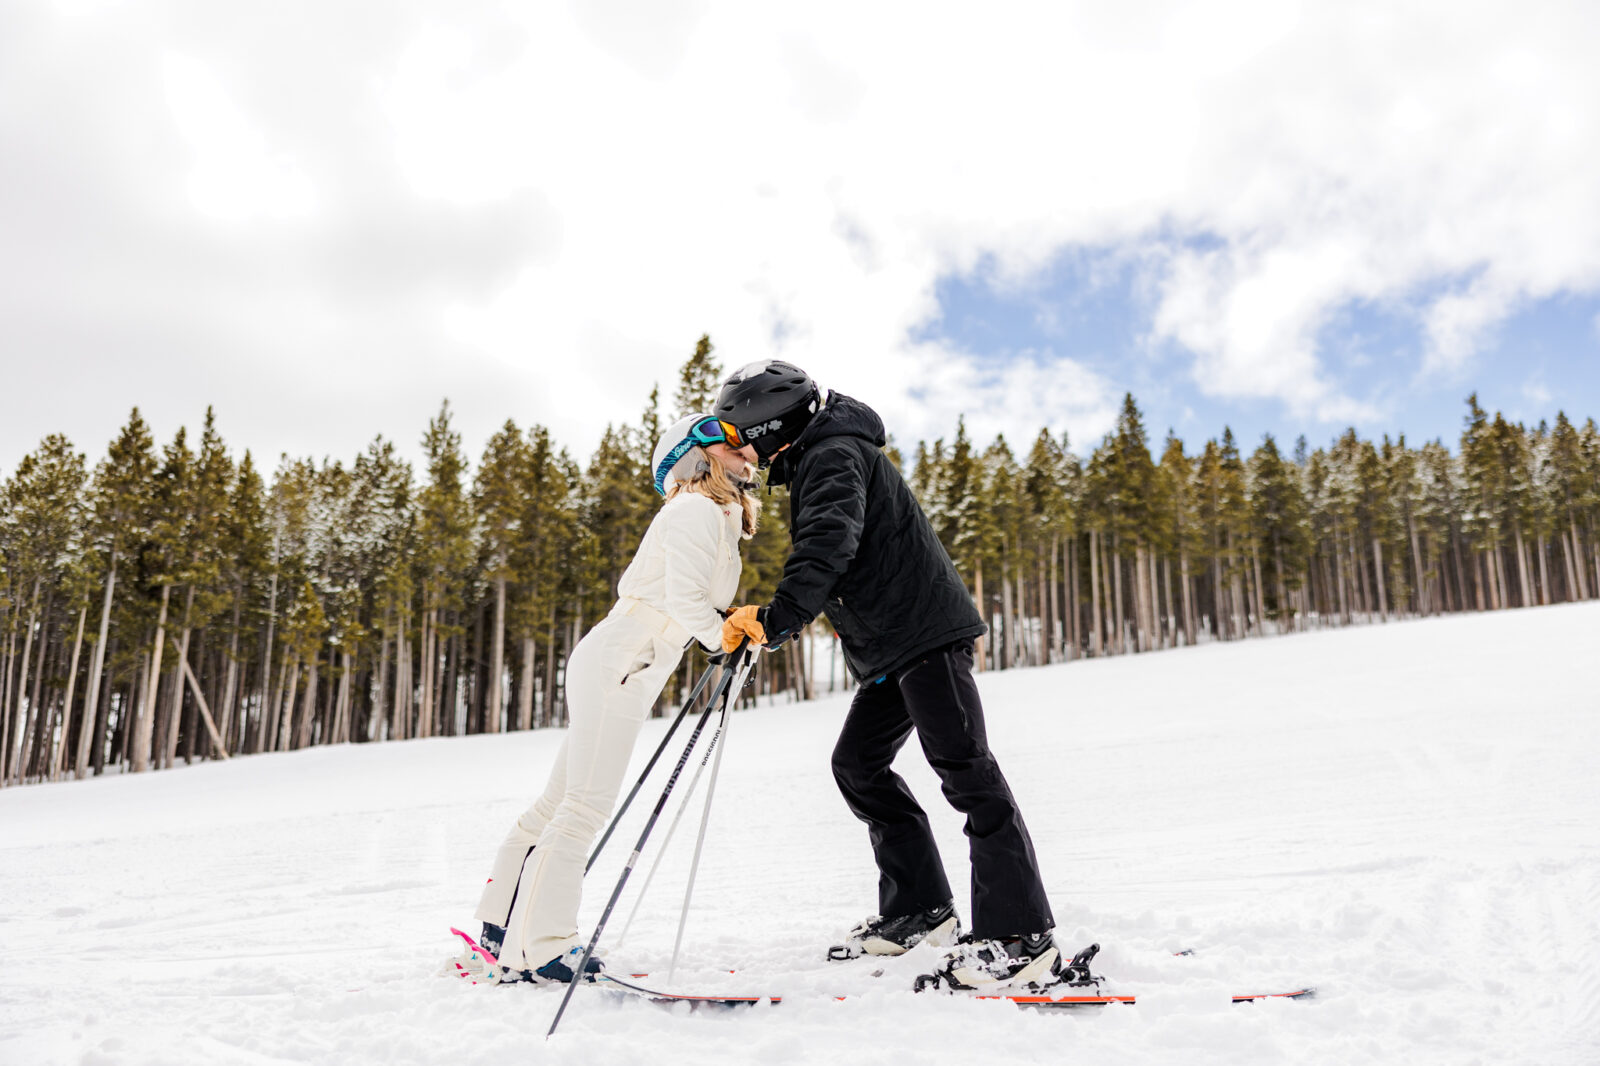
[1404, 816]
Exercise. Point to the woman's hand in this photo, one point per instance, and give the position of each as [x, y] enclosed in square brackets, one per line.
[743, 622]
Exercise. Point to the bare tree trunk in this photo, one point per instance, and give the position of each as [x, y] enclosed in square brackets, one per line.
[30, 759]
[10, 760]
[97, 664]
[402, 679]
[1377, 573]
[1261, 601]
[66, 708]
[1189, 619]
[1544, 571]
[205, 711]
[1115, 563]
[1580, 565]
[175, 708]
[549, 714]
[1522, 566]
[303, 734]
[525, 690]
[378, 727]
[284, 716]
[230, 681]
[146, 722]
[266, 655]
[5, 699]
[277, 732]
[497, 664]
[1008, 638]
[1095, 643]
[1073, 611]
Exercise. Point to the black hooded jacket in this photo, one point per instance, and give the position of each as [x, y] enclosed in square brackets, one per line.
[863, 552]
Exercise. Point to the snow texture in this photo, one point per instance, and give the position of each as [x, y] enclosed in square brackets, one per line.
[1403, 815]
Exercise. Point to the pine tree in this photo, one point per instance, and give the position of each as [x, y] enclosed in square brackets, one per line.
[43, 508]
[699, 381]
[444, 556]
[503, 475]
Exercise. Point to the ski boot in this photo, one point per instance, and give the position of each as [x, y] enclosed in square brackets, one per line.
[877, 935]
[1014, 964]
[557, 971]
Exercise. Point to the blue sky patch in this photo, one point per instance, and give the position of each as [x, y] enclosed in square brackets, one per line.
[1095, 307]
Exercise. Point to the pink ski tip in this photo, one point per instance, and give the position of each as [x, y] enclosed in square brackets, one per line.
[475, 946]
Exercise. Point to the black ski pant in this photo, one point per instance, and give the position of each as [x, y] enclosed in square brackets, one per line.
[936, 695]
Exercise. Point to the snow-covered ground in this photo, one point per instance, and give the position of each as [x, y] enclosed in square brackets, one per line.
[1406, 816]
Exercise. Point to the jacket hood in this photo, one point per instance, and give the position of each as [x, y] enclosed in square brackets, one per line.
[841, 416]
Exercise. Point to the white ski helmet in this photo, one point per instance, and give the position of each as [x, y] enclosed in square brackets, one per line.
[680, 453]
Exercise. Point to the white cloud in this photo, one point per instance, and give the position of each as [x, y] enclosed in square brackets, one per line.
[537, 209]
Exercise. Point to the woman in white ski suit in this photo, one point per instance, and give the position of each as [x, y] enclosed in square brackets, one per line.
[681, 579]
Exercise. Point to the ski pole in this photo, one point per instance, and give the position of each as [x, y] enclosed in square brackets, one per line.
[705, 817]
[666, 841]
[738, 664]
[651, 765]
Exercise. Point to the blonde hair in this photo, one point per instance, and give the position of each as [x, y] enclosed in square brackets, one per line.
[715, 483]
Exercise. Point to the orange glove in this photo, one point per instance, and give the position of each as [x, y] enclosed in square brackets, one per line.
[743, 622]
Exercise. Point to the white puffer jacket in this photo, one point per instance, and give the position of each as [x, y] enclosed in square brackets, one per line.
[687, 568]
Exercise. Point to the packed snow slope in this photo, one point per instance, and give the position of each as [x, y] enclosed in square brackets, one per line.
[1406, 816]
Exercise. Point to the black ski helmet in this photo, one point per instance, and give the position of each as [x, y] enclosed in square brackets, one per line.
[767, 404]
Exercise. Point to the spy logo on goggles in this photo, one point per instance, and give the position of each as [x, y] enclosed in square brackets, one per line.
[762, 430]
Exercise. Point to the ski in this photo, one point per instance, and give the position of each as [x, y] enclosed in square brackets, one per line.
[1042, 998]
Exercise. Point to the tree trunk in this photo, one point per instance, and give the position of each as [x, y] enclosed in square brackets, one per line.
[1115, 592]
[1008, 637]
[267, 702]
[1580, 564]
[15, 749]
[230, 680]
[1544, 571]
[175, 709]
[284, 715]
[276, 727]
[1185, 579]
[1073, 610]
[97, 664]
[205, 711]
[1377, 573]
[5, 699]
[525, 690]
[1096, 646]
[143, 733]
[303, 735]
[1522, 566]
[497, 663]
[341, 712]
[549, 713]
[378, 728]
[66, 708]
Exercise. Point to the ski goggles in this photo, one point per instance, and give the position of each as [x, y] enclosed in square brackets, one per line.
[731, 434]
[710, 430]
[706, 431]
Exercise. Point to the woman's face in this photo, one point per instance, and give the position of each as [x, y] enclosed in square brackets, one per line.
[732, 459]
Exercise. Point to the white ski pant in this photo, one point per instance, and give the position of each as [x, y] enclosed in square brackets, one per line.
[613, 678]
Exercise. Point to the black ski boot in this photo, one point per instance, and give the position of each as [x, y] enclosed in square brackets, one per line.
[878, 935]
[492, 939]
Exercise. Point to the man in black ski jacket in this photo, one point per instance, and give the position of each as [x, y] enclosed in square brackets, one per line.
[865, 554]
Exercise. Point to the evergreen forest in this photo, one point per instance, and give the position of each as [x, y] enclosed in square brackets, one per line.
[175, 602]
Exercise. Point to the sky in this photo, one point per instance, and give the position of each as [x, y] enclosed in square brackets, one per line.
[324, 220]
